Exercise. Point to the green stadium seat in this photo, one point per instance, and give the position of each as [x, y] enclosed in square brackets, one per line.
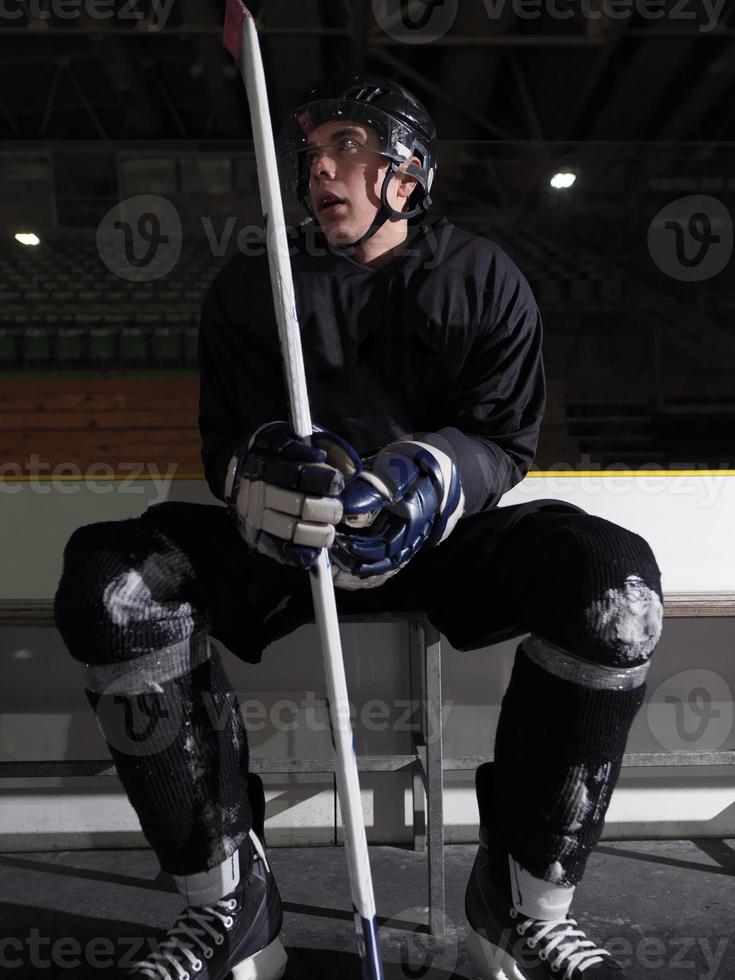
[166, 345]
[36, 344]
[8, 345]
[102, 344]
[69, 345]
[191, 341]
[133, 344]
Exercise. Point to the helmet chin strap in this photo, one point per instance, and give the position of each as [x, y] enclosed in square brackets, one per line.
[385, 213]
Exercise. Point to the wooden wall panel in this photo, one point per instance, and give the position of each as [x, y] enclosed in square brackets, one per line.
[120, 422]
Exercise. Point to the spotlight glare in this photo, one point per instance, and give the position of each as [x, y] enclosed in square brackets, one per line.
[27, 238]
[562, 180]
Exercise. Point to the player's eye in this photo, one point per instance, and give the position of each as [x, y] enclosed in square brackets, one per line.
[345, 144]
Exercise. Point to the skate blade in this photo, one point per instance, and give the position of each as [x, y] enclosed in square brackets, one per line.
[268, 964]
[490, 961]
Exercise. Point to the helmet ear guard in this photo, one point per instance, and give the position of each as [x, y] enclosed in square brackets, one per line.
[403, 126]
[411, 171]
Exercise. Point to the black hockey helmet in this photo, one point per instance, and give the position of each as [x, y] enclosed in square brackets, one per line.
[403, 126]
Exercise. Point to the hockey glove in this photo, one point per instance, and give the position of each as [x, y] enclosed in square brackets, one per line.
[407, 497]
[285, 494]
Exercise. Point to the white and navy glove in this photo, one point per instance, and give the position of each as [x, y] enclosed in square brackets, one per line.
[285, 494]
[407, 497]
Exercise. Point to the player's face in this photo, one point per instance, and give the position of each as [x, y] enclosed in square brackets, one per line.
[345, 179]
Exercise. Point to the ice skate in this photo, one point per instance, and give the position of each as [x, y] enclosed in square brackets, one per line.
[237, 936]
[505, 944]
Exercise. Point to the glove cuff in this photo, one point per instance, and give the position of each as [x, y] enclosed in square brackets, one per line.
[452, 504]
[237, 457]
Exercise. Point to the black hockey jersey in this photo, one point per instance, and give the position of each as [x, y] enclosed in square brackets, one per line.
[444, 341]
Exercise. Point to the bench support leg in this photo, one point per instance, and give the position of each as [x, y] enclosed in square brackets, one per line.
[428, 776]
[435, 779]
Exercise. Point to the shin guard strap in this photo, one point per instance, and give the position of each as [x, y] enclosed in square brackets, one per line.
[146, 674]
[555, 660]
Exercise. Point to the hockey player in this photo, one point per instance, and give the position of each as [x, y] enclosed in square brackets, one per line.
[422, 345]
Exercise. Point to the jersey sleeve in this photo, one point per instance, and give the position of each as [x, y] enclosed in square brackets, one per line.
[496, 405]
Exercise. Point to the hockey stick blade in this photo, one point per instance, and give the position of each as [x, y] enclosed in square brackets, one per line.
[235, 14]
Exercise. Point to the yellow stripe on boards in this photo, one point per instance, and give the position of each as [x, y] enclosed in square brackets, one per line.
[619, 473]
[534, 474]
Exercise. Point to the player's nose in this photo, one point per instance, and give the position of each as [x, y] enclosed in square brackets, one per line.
[323, 166]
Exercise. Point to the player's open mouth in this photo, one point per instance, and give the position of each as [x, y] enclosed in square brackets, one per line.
[329, 203]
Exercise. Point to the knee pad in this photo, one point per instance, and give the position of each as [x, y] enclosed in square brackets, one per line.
[126, 590]
[594, 589]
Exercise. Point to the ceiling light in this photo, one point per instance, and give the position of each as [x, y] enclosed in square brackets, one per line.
[562, 180]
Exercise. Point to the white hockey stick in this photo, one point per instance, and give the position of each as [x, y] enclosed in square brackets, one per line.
[241, 40]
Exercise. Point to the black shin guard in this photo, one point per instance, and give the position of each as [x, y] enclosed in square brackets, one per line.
[130, 608]
[592, 599]
[181, 754]
[558, 752]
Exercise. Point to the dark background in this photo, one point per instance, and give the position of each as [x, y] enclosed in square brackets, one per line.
[640, 360]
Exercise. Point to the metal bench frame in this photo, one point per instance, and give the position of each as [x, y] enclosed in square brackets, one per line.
[426, 761]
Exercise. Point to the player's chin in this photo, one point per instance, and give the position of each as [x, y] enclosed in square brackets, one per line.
[340, 232]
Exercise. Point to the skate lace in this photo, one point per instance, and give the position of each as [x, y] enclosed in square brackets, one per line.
[574, 951]
[175, 959]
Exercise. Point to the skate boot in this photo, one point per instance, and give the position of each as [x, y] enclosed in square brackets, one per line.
[235, 937]
[506, 944]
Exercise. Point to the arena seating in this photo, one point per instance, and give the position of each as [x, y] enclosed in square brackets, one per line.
[62, 308]
[606, 317]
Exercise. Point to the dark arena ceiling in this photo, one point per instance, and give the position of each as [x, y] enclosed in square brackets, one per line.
[102, 101]
[505, 69]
